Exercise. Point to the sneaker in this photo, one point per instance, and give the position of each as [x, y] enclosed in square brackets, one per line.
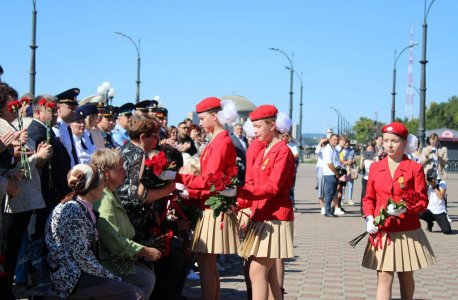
[449, 220]
[220, 269]
[351, 202]
[193, 276]
[323, 210]
[339, 211]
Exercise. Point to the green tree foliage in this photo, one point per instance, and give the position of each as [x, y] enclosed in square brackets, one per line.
[364, 130]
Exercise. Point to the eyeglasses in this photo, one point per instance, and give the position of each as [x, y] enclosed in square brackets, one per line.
[186, 128]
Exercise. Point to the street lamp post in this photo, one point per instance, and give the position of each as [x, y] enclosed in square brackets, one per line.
[423, 61]
[291, 82]
[338, 120]
[300, 111]
[33, 47]
[393, 101]
[137, 97]
[108, 91]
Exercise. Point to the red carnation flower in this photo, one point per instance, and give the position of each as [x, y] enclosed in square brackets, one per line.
[155, 231]
[212, 179]
[411, 198]
[149, 163]
[220, 186]
[155, 159]
[163, 162]
[227, 180]
[42, 102]
[157, 170]
[232, 171]
[169, 233]
[50, 105]
[14, 106]
[219, 175]
[25, 101]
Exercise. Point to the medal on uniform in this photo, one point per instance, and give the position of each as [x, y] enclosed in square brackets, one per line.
[265, 163]
[401, 181]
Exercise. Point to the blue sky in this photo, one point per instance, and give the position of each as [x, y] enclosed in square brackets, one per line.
[191, 50]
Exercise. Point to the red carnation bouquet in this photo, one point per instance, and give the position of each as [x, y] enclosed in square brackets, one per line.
[157, 240]
[14, 107]
[219, 182]
[408, 200]
[49, 107]
[155, 166]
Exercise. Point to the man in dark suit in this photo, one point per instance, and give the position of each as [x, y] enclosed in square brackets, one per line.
[60, 162]
[241, 145]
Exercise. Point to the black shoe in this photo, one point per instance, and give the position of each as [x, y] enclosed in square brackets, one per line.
[430, 227]
[333, 209]
[316, 187]
[330, 216]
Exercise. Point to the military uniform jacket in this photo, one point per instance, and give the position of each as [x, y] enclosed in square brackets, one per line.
[218, 156]
[61, 132]
[380, 187]
[272, 177]
[108, 139]
[120, 135]
[60, 165]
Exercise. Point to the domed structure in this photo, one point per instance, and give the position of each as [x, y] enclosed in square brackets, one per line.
[245, 106]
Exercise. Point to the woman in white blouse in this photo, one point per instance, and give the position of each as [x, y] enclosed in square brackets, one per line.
[84, 146]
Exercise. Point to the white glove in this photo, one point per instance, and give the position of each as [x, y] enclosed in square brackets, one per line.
[229, 192]
[370, 227]
[184, 194]
[167, 175]
[395, 212]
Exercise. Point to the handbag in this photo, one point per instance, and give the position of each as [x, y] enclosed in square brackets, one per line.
[353, 172]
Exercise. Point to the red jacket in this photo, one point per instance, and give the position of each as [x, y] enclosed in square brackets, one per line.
[380, 187]
[254, 149]
[218, 156]
[273, 176]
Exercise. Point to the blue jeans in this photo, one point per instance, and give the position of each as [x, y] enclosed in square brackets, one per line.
[291, 192]
[350, 190]
[330, 189]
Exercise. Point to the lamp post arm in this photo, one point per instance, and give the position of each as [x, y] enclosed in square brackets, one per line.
[427, 11]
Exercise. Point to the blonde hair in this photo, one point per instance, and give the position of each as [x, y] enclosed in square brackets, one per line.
[193, 165]
[106, 158]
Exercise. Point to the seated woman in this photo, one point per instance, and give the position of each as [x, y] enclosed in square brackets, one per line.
[116, 231]
[71, 236]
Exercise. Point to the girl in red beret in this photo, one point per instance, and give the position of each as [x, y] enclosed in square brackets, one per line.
[269, 236]
[400, 245]
[219, 155]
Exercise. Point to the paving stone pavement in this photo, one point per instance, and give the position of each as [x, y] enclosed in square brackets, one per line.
[326, 267]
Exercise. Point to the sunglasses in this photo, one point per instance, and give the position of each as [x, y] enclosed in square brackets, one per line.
[186, 128]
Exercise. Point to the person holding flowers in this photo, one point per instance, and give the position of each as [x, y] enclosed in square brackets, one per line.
[269, 236]
[213, 234]
[115, 230]
[396, 193]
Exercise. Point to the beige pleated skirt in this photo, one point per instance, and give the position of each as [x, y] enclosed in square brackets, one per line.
[408, 251]
[210, 238]
[244, 219]
[271, 239]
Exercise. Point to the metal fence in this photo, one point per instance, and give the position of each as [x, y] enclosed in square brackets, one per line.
[452, 166]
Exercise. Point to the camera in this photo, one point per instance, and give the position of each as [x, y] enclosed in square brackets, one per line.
[341, 171]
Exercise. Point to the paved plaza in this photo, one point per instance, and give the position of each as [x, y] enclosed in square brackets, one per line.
[326, 267]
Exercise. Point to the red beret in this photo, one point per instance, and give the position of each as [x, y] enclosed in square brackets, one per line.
[208, 104]
[396, 128]
[264, 112]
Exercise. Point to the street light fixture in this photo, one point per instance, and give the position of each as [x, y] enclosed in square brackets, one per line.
[423, 61]
[300, 104]
[107, 90]
[33, 47]
[393, 101]
[338, 120]
[291, 81]
[137, 98]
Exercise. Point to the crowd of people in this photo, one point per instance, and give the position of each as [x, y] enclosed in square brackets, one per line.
[91, 202]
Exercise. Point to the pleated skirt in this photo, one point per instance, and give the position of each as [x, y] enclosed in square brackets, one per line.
[210, 238]
[408, 251]
[244, 220]
[270, 239]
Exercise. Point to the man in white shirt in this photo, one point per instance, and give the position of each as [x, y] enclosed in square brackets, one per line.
[330, 173]
[66, 110]
[436, 208]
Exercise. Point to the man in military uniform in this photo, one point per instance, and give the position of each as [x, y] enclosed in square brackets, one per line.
[107, 125]
[120, 133]
[97, 100]
[66, 109]
[152, 109]
[141, 108]
[162, 118]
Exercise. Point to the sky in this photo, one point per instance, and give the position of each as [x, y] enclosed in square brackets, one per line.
[191, 50]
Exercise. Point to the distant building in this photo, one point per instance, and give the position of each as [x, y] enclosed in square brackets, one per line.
[295, 131]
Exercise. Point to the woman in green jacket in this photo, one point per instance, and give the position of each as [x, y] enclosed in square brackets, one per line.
[118, 251]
